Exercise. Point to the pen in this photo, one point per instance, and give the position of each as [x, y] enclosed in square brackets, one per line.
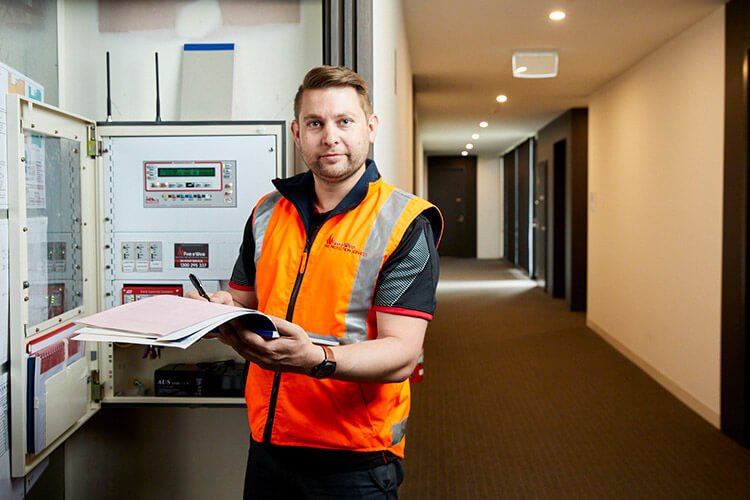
[198, 286]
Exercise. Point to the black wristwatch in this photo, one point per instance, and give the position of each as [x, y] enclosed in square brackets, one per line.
[326, 368]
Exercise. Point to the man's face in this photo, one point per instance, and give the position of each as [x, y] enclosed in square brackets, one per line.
[333, 134]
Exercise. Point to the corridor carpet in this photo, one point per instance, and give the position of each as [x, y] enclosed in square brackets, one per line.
[521, 400]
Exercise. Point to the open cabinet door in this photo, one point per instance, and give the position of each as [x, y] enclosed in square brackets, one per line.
[52, 220]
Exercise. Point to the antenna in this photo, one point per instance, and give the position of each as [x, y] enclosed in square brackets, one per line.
[109, 94]
[158, 104]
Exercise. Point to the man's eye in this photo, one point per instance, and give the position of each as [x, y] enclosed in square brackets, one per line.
[346, 121]
[313, 123]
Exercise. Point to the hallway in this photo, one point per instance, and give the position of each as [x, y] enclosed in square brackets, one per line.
[521, 400]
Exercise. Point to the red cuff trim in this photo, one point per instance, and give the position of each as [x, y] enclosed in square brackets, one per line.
[403, 312]
[243, 288]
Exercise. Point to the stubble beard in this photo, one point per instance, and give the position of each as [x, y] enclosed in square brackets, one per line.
[333, 174]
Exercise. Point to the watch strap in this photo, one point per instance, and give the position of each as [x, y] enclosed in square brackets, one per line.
[328, 352]
[326, 367]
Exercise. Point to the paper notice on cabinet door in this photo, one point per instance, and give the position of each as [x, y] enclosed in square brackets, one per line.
[37, 264]
[4, 297]
[3, 158]
[12, 489]
[36, 189]
[13, 82]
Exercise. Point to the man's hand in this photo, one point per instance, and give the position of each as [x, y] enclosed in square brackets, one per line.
[220, 297]
[291, 352]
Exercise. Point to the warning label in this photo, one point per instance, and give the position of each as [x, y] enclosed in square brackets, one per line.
[191, 255]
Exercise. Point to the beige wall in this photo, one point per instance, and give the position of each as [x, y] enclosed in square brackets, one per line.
[420, 162]
[489, 207]
[270, 59]
[655, 213]
[392, 94]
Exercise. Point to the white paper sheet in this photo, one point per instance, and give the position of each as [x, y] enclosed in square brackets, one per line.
[37, 262]
[4, 296]
[36, 186]
[11, 81]
[12, 489]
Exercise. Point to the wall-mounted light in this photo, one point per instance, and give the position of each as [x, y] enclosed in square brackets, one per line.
[469, 146]
[483, 124]
[501, 98]
[464, 153]
[475, 136]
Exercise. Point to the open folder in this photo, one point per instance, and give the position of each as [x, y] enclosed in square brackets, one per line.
[168, 321]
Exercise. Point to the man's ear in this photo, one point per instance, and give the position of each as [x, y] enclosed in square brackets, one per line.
[295, 132]
[372, 124]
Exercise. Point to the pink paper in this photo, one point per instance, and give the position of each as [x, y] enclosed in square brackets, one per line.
[158, 315]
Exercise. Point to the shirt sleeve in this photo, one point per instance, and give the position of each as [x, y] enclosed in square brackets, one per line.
[243, 274]
[408, 281]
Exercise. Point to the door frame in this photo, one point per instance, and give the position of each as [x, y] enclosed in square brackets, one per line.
[735, 328]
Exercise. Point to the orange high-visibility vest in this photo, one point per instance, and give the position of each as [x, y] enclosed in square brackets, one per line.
[326, 286]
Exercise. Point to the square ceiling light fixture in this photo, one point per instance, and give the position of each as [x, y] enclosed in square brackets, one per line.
[535, 64]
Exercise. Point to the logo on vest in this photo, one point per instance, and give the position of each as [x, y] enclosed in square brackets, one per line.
[343, 247]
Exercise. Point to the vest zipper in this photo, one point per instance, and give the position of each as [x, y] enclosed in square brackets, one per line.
[289, 314]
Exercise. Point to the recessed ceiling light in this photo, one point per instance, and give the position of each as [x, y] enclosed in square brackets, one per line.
[464, 153]
[469, 146]
[483, 124]
[501, 98]
[475, 136]
[557, 15]
[535, 64]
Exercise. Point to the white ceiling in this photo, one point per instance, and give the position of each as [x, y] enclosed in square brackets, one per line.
[461, 59]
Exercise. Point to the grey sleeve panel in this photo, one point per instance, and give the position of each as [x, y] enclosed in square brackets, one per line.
[409, 277]
[404, 274]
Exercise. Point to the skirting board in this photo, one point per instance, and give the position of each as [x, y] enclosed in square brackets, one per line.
[701, 409]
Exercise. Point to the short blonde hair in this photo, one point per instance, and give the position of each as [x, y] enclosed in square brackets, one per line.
[323, 77]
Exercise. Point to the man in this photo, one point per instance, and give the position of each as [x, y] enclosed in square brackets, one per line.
[350, 263]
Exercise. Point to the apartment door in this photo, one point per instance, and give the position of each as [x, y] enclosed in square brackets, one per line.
[452, 186]
[540, 223]
[556, 273]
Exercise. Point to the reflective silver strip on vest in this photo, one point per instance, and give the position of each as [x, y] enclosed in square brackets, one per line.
[369, 266]
[398, 431]
[324, 339]
[260, 223]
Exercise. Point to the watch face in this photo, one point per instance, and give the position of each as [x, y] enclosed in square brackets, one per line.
[325, 369]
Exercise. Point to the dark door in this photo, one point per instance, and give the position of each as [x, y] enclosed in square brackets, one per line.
[540, 223]
[452, 186]
[556, 271]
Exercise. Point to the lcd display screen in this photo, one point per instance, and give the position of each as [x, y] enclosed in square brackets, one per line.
[186, 172]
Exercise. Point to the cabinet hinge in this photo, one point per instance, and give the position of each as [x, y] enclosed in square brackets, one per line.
[94, 147]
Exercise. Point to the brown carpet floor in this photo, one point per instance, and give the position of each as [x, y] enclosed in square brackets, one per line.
[521, 400]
